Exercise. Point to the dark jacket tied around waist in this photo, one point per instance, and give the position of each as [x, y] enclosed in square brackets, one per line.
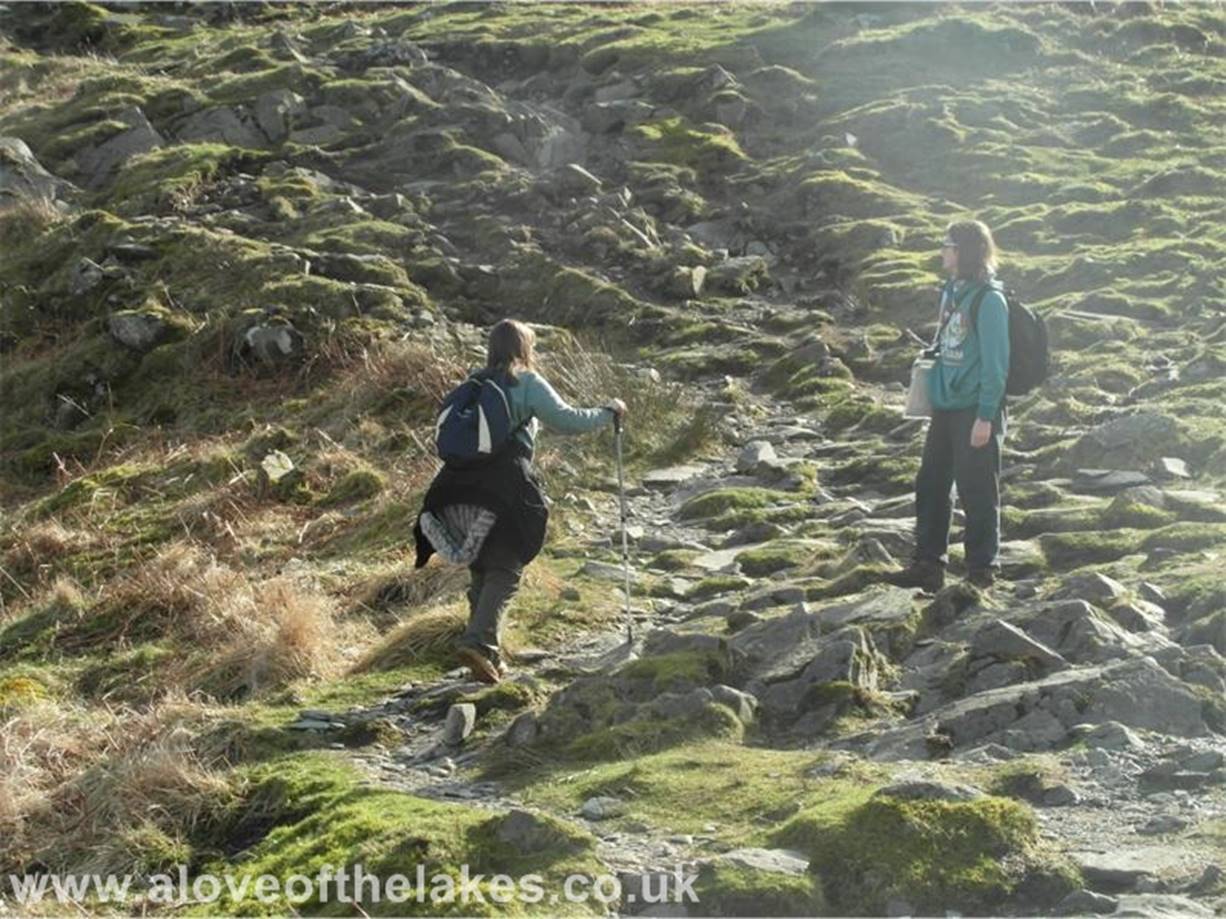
[508, 486]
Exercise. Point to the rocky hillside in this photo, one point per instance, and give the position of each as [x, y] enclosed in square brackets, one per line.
[247, 247]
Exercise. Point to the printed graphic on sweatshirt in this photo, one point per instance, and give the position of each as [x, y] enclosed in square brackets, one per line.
[953, 339]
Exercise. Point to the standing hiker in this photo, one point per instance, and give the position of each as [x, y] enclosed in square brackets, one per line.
[967, 391]
[491, 515]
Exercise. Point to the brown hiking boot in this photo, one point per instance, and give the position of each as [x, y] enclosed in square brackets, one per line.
[482, 667]
[981, 577]
[927, 576]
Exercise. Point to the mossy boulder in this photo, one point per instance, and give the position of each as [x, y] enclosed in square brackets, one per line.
[871, 849]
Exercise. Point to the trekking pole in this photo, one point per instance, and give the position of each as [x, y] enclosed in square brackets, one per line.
[621, 489]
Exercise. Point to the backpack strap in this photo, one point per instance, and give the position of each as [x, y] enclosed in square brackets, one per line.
[978, 302]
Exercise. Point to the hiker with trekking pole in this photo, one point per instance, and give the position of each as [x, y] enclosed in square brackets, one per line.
[486, 507]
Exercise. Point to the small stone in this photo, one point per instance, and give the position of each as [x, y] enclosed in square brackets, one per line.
[523, 730]
[461, 718]
[85, 276]
[1060, 796]
[929, 790]
[602, 807]
[313, 724]
[1171, 467]
[753, 454]
[1082, 902]
[524, 831]
[1109, 735]
[1163, 823]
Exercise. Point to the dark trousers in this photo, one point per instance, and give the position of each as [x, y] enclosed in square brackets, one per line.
[950, 459]
[495, 580]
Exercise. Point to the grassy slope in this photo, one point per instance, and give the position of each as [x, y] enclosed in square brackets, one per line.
[1082, 137]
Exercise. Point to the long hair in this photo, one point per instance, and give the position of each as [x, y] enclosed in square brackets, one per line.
[976, 249]
[512, 345]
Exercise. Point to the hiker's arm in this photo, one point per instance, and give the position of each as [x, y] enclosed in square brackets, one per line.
[993, 354]
[557, 415]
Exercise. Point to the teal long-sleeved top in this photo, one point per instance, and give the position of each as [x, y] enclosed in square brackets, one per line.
[973, 363]
[534, 402]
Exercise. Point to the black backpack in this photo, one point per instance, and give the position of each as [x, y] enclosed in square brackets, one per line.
[474, 422]
[1028, 351]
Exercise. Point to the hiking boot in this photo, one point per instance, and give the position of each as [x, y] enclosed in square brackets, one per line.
[927, 576]
[981, 577]
[481, 667]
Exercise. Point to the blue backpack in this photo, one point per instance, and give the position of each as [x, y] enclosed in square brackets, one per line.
[474, 423]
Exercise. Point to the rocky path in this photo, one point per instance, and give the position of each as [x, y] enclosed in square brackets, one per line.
[1131, 776]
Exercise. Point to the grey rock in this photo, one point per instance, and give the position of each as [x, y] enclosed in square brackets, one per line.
[1171, 467]
[398, 52]
[98, 163]
[85, 276]
[686, 283]
[574, 179]
[1162, 824]
[753, 454]
[127, 251]
[461, 718]
[1108, 480]
[762, 531]
[1021, 558]
[1122, 870]
[559, 146]
[615, 92]
[1137, 692]
[140, 331]
[782, 646]
[919, 789]
[270, 344]
[286, 47]
[1083, 902]
[1002, 640]
[1139, 615]
[524, 831]
[1160, 906]
[1059, 796]
[615, 115]
[739, 275]
[523, 730]
[682, 705]
[743, 704]
[1091, 586]
[1083, 634]
[321, 135]
[606, 572]
[1131, 442]
[224, 125]
[602, 807]
[884, 607]
[671, 476]
[22, 176]
[1109, 735]
[275, 112]
[772, 861]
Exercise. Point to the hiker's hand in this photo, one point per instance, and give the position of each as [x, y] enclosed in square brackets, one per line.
[618, 407]
[980, 433]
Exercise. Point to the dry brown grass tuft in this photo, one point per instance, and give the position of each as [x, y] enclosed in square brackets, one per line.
[385, 596]
[428, 635]
[288, 634]
[26, 219]
[29, 560]
[77, 784]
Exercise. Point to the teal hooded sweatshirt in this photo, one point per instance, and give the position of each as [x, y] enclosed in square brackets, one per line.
[973, 363]
[533, 402]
